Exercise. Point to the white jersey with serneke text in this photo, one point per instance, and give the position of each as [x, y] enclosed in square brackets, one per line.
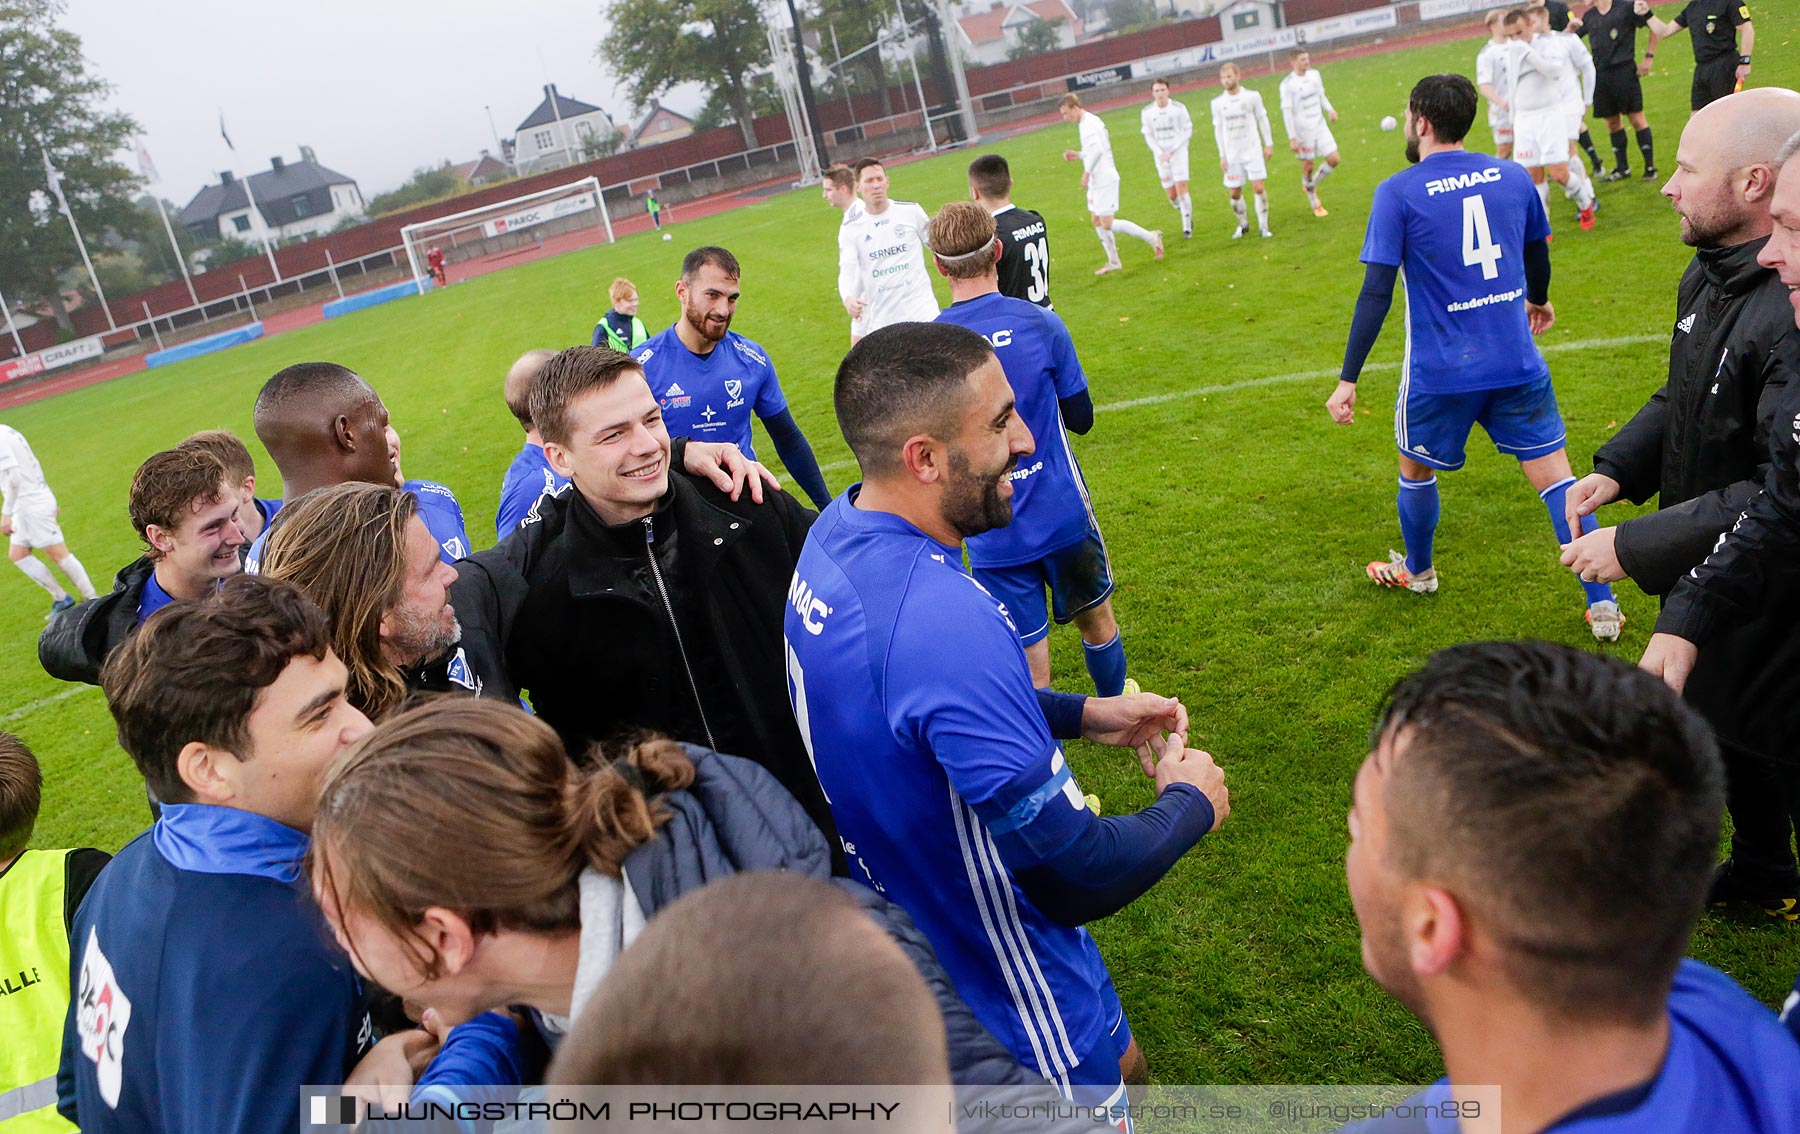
[1166, 128]
[1535, 72]
[1303, 104]
[1491, 71]
[893, 279]
[1241, 125]
[22, 484]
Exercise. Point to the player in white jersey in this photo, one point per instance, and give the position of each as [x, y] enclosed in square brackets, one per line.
[1304, 110]
[1536, 70]
[1167, 127]
[1241, 131]
[1578, 84]
[1492, 79]
[28, 514]
[1100, 177]
[839, 190]
[888, 257]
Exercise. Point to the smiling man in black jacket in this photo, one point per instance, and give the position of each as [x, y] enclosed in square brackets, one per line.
[1701, 446]
[639, 599]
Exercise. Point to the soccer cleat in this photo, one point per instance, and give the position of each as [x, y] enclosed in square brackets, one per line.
[60, 605]
[1393, 573]
[1241, 230]
[1187, 234]
[1109, 266]
[1321, 211]
[1605, 619]
[1156, 242]
[1776, 901]
[1587, 218]
[1620, 174]
[1266, 234]
[1131, 686]
[1650, 173]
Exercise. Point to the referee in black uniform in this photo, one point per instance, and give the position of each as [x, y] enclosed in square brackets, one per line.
[1611, 30]
[1723, 39]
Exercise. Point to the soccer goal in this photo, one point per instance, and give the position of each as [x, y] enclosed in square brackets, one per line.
[476, 232]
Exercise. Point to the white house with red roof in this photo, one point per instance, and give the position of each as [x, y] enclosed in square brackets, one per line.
[988, 36]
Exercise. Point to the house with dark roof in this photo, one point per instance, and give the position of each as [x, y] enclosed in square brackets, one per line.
[294, 200]
[987, 36]
[659, 125]
[559, 132]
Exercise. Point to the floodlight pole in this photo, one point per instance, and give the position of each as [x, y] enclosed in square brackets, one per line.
[947, 21]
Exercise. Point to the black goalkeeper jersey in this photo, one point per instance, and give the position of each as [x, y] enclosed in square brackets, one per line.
[1024, 255]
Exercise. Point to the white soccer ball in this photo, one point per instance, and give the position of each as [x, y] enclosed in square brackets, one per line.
[668, 236]
[1389, 124]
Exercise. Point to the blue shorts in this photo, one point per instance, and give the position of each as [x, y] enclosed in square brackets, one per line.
[1522, 421]
[1097, 1081]
[1078, 576]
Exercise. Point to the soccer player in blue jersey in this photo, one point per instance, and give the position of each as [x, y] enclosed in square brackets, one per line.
[940, 760]
[530, 476]
[324, 425]
[708, 378]
[1531, 842]
[1053, 541]
[1471, 237]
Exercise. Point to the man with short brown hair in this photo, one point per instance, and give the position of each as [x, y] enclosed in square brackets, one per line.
[185, 509]
[240, 470]
[640, 598]
[207, 994]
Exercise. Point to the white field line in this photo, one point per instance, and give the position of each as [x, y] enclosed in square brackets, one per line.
[45, 702]
[1311, 376]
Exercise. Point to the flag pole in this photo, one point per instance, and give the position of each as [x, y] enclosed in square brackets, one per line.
[62, 202]
[148, 169]
[12, 326]
[176, 248]
[256, 217]
[262, 227]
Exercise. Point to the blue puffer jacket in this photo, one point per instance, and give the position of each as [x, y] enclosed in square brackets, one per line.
[736, 817]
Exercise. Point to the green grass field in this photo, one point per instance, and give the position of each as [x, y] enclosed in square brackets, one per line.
[1238, 516]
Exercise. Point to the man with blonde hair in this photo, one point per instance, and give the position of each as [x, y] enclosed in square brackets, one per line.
[1100, 177]
[620, 328]
[1054, 541]
[839, 191]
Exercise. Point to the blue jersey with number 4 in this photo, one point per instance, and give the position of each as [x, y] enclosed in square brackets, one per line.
[1456, 225]
[1050, 500]
[709, 397]
[911, 688]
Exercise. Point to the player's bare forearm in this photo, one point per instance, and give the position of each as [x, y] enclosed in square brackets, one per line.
[1746, 47]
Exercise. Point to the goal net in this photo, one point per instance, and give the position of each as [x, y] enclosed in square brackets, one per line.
[575, 211]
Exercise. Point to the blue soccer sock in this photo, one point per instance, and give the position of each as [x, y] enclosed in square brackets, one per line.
[1106, 665]
[1554, 499]
[1418, 521]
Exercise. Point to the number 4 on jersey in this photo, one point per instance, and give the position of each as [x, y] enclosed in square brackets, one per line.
[1478, 242]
